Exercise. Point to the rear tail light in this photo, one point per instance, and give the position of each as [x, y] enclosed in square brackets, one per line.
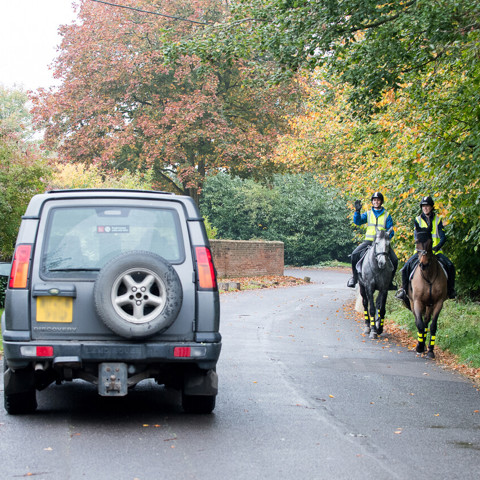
[36, 351]
[189, 352]
[206, 272]
[20, 266]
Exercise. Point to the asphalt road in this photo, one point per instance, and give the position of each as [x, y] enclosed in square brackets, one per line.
[303, 394]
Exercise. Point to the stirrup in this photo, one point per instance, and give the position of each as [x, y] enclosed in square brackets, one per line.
[401, 294]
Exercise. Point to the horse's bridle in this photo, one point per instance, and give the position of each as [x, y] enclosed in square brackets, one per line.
[422, 253]
[375, 251]
[378, 254]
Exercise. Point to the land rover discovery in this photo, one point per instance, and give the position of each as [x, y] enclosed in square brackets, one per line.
[112, 287]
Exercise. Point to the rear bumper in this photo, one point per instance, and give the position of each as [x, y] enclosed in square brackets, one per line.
[205, 355]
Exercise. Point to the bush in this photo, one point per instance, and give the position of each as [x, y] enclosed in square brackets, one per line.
[295, 209]
[3, 286]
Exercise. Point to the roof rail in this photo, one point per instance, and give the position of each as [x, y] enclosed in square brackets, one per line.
[108, 190]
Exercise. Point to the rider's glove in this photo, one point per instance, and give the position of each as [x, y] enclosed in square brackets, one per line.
[358, 205]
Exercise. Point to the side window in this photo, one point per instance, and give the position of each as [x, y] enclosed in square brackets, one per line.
[84, 239]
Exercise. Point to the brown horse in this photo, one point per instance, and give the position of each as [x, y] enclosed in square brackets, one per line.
[427, 291]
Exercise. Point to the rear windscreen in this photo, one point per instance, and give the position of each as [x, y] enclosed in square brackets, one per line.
[85, 238]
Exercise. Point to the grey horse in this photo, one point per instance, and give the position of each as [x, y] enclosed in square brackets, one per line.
[375, 274]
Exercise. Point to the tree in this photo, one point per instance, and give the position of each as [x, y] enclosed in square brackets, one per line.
[23, 171]
[373, 45]
[406, 151]
[121, 104]
[15, 116]
[78, 175]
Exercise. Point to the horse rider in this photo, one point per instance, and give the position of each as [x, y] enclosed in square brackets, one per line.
[375, 218]
[428, 217]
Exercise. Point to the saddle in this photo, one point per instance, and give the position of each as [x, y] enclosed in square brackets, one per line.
[359, 264]
[416, 266]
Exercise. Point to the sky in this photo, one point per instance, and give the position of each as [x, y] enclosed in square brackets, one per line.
[29, 39]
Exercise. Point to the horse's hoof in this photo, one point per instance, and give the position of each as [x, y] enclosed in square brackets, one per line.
[373, 334]
[430, 354]
[380, 330]
[366, 331]
[420, 348]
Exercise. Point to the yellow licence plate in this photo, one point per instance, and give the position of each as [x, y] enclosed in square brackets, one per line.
[55, 309]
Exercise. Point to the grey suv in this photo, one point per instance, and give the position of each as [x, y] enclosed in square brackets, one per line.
[112, 287]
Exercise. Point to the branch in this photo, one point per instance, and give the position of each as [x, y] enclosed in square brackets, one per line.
[385, 20]
[150, 13]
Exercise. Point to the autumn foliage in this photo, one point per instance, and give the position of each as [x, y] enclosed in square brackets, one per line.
[404, 150]
[123, 104]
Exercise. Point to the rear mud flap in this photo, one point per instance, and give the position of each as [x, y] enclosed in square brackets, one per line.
[201, 384]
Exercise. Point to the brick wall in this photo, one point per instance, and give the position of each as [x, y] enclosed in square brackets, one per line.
[242, 258]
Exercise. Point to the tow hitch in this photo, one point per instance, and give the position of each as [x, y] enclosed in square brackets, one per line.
[112, 379]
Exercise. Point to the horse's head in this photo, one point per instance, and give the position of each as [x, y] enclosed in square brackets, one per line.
[381, 246]
[423, 242]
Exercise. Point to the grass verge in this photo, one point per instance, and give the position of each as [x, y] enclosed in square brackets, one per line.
[457, 343]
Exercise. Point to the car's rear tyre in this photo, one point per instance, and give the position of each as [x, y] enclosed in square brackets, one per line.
[20, 403]
[138, 294]
[198, 403]
[24, 399]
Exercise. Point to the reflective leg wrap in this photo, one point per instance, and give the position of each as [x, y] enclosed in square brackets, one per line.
[432, 340]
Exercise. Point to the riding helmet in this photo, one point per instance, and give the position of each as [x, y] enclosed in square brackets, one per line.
[427, 201]
[377, 195]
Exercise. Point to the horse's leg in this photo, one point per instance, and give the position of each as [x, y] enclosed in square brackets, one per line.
[381, 302]
[417, 311]
[363, 293]
[372, 313]
[433, 329]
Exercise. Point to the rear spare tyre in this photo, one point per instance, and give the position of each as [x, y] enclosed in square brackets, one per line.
[138, 294]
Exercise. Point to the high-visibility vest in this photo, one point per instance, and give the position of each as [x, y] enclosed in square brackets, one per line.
[373, 223]
[435, 235]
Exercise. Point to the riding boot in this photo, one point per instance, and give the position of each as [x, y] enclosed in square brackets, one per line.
[402, 292]
[354, 279]
[451, 287]
[450, 268]
[394, 260]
